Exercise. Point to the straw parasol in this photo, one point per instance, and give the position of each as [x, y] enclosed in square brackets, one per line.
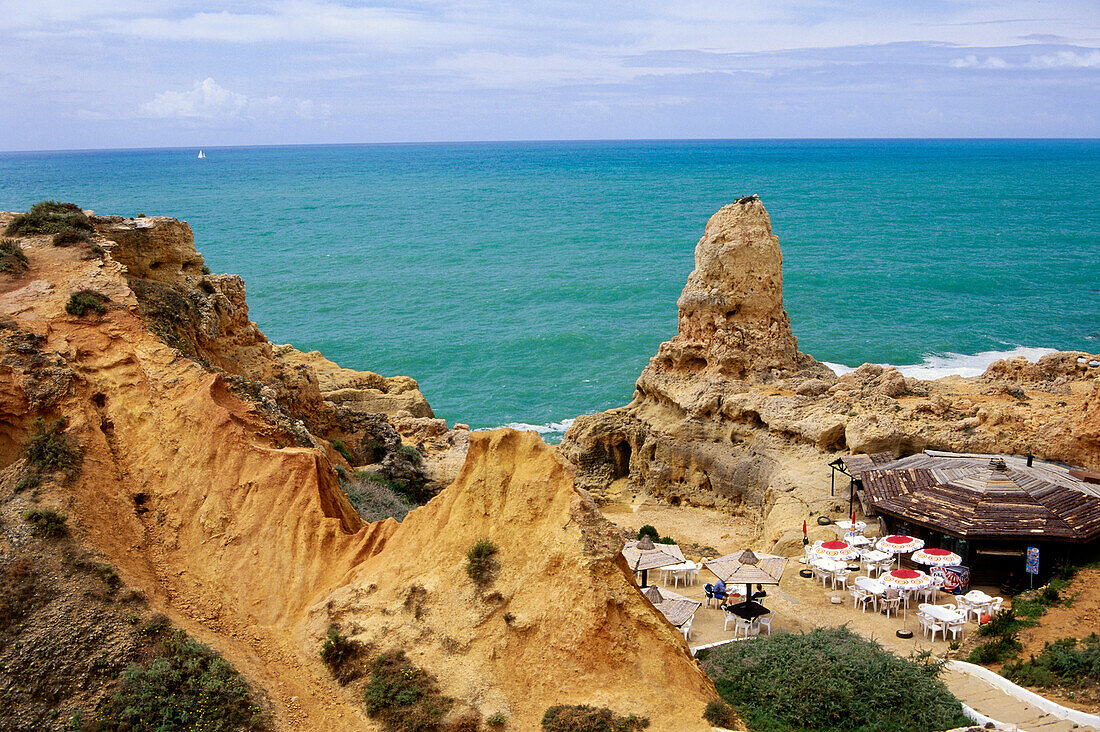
[748, 568]
[644, 555]
[676, 608]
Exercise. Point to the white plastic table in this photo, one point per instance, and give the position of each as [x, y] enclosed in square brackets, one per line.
[874, 586]
[847, 525]
[858, 540]
[944, 613]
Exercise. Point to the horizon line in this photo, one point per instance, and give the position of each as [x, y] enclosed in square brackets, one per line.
[395, 143]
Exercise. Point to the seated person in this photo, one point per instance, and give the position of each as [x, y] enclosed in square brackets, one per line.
[720, 590]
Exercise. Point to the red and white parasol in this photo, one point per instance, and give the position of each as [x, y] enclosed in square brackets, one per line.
[936, 558]
[836, 550]
[906, 579]
[899, 544]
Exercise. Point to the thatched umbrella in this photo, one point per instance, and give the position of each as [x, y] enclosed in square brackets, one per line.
[676, 608]
[748, 568]
[644, 555]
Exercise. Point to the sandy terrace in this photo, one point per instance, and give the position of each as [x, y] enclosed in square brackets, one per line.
[798, 604]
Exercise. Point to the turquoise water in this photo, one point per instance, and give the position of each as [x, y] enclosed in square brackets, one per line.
[531, 282]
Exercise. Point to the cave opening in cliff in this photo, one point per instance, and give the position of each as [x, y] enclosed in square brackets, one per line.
[620, 459]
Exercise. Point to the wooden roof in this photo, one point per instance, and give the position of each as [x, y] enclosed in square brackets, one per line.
[857, 464]
[986, 496]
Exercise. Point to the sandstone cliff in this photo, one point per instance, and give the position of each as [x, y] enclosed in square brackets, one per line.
[729, 413]
[202, 483]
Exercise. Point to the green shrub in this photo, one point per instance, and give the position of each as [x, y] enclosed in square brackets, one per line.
[376, 498]
[187, 686]
[340, 447]
[1050, 596]
[1029, 608]
[649, 531]
[341, 655]
[583, 718]
[49, 217]
[831, 679]
[995, 651]
[68, 236]
[411, 453]
[28, 481]
[11, 248]
[1004, 623]
[666, 540]
[496, 719]
[403, 697]
[720, 714]
[481, 562]
[47, 522]
[50, 449]
[84, 300]
[1065, 662]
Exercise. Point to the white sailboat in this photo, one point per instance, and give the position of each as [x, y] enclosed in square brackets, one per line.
[202, 155]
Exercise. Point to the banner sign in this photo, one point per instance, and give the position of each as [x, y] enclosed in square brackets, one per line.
[1032, 565]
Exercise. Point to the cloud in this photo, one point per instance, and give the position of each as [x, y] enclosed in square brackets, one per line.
[973, 62]
[208, 101]
[1066, 60]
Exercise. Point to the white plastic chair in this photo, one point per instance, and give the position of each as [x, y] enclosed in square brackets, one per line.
[730, 616]
[891, 604]
[840, 579]
[765, 621]
[956, 627]
[742, 625]
[686, 628]
[863, 598]
[995, 606]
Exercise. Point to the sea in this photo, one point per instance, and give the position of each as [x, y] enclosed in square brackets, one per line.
[527, 283]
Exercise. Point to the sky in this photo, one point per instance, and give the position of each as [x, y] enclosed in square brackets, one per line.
[77, 74]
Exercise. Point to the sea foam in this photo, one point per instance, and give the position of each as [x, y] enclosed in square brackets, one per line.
[551, 432]
[937, 366]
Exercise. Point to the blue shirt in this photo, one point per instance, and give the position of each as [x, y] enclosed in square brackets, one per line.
[720, 588]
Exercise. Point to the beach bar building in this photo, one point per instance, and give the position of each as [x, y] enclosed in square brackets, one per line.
[987, 508]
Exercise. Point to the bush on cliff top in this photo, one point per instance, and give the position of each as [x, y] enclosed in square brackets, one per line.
[1065, 662]
[376, 498]
[583, 718]
[46, 522]
[403, 697]
[85, 300]
[13, 253]
[49, 217]
[830, 679]
[342, 656]
[187, 686]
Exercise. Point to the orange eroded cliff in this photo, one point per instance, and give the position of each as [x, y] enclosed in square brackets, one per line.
[245, 539]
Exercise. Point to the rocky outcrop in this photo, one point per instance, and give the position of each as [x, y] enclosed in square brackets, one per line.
[204, 501]
[729, 413]
[205, 316]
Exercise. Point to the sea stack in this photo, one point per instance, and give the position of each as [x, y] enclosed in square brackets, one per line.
[730, 414]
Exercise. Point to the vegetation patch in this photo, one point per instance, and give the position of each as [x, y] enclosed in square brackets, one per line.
[340, 447]
[656, 538]
[481, 562]
[187, 686]
[1065, 662]
[403, 697]
[68, 236]
[46, 522]
[411, 453]
[83, 301]
[720, 714]
[49, 217]
[342, 655]
[496, 720]
[375, 497]
[12, 257]
[50, 449]
[583, 718]
[831, 679]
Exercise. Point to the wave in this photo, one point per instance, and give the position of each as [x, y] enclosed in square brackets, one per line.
[937, 366]
[551, 431]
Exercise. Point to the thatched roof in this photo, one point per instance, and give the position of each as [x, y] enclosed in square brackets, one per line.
[645, 554]
[747, 567]
[986, 496]
[676, 608]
